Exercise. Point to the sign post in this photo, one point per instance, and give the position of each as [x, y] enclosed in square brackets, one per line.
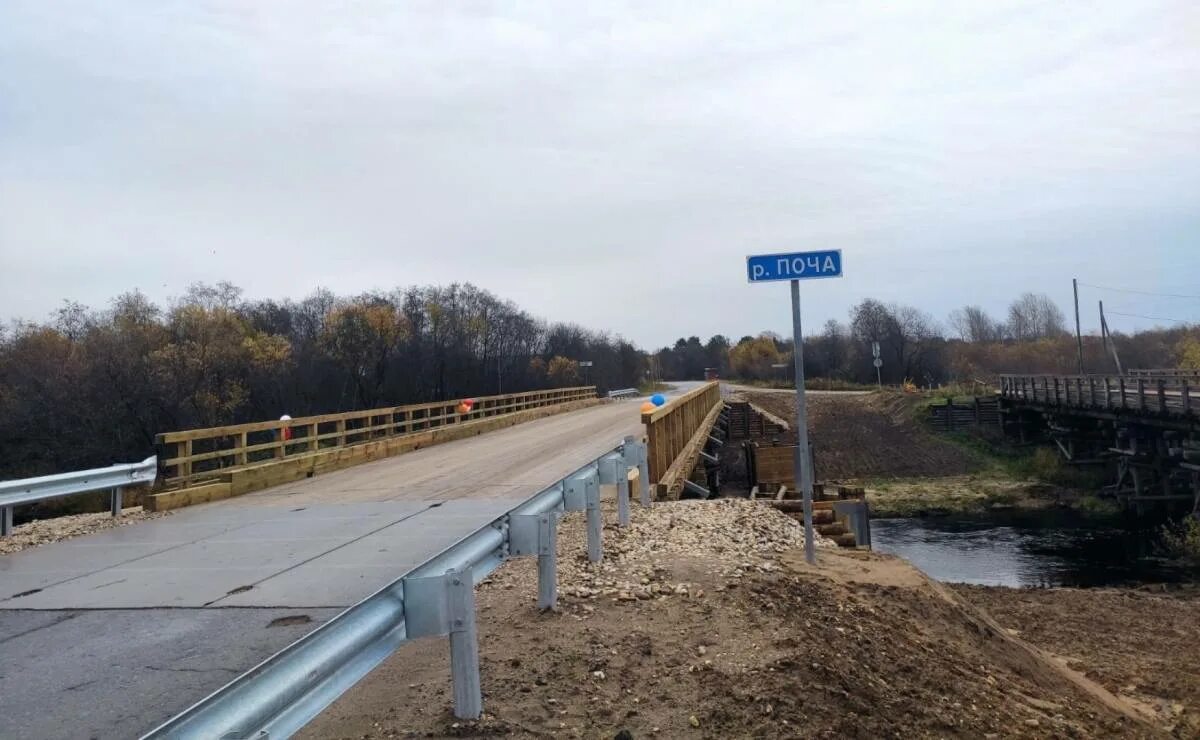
[795, 267]
[878, 363]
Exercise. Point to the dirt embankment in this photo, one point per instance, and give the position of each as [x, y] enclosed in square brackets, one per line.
[1139, 644]
[704, 621]
[877, 440]
[874, 435]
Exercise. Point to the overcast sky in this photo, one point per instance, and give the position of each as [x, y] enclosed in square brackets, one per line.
[601, 163]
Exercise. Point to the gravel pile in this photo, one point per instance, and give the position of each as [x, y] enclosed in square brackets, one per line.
[45, 531]
[726, 537]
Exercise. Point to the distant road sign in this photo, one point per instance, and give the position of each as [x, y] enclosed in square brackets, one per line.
[875, 349]
[585, 363]
[878, 362]
[761, 268]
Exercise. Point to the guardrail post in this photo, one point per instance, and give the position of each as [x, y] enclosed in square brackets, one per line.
[595, 524]
[548, 560]
[622, 492]
[464, 644]
[114, 500]
[643, 466]
[5, 521]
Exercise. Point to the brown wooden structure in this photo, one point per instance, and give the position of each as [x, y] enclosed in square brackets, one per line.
[1146, 426]
[197, 455]
[675, 435]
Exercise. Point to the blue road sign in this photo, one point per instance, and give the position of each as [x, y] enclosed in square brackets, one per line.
[761, 268]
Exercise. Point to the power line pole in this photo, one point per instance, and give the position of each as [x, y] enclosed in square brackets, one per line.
[1078, 333]
[1109, 344]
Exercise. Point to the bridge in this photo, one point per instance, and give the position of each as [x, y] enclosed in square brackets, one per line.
[1148, 420]
[140, 622]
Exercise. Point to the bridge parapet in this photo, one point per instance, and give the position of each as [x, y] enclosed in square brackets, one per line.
[675, 434]
[198, 455]
[1159, 394]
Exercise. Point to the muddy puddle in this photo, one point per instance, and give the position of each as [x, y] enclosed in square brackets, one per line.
[1029, 550]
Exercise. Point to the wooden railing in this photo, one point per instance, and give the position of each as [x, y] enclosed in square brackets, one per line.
[204, 454]
[1160, 395]
[1165, 373]
[672, 432]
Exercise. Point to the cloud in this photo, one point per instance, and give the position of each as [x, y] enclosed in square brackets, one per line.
[610, 165]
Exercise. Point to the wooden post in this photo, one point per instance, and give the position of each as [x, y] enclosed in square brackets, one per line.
[1121, 381]
[184, 450]
[1185, 398]
[239, 443]
[1141, 386]
[341, 432]
[1162, 396]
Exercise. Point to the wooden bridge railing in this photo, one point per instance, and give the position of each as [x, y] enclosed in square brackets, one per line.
[1165, 373]
[673, 430]
[1161, 395]
[204, 454]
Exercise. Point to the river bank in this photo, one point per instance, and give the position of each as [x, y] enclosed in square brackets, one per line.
[704, 621]
[1142, 644]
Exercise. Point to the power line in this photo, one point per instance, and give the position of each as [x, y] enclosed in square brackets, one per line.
[1152, 318]
[1143, 292]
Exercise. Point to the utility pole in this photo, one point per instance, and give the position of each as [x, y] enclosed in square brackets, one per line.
[1078, 334]
[1107, 339]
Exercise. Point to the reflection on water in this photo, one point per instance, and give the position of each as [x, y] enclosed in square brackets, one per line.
[1045, 551]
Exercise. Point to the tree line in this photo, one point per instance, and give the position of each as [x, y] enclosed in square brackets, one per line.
[971, 346]
[90, 387]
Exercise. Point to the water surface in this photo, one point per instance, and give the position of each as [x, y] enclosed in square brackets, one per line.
[1039, 550]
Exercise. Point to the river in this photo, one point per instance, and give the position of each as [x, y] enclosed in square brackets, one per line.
[1045, 549]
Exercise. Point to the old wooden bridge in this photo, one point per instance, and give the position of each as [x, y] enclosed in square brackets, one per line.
[1147, 420]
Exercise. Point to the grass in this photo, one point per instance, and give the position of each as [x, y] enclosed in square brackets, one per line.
[1182, 539]
[811, 384]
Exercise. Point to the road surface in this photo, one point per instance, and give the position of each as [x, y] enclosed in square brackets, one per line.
[110, 634]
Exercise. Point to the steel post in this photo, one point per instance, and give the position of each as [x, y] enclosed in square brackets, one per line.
[114, 500]
[548, 560]
[622, 475]
[464, 644]
[802, 463]
[5, 521]
[595, 525]
[644, 474]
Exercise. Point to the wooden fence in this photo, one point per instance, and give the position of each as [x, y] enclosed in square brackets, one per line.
[675, 432]
[1147, 395]
[196, 455]
[975, 413]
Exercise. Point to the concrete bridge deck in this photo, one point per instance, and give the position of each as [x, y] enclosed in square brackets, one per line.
[110, 634]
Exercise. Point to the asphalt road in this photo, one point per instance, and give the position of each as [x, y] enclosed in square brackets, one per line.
[110, 634]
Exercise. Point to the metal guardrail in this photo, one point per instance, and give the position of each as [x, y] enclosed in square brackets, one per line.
[114, 478]
[283, 693]
[624, 393]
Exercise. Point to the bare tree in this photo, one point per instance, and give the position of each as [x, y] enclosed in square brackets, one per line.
[1035, 316]
[973, 324]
